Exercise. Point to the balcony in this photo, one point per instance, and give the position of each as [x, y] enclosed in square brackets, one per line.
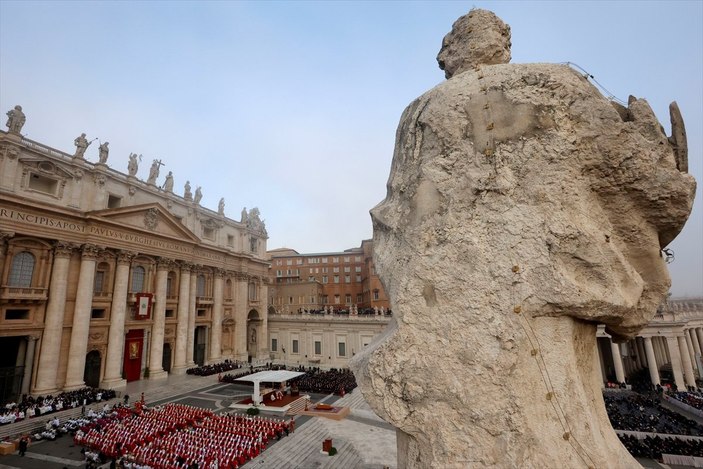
[204, 300]
[17, 294]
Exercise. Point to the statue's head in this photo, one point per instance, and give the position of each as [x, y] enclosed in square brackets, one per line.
[18, 108]
[479, 37]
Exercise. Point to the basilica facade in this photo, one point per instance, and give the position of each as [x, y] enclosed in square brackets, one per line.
[105, 278]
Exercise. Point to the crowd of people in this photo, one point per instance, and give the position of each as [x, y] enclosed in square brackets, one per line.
[635, 412]
[694, 399]
[325, 382]
[41, 405]
[180, 436]
[654, 447]
[209, 370]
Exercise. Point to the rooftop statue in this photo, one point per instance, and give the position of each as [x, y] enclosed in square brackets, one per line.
[187, 194]
[221, 206]
[133, 164]
[523, 209]
[154, 172]
[103, 152]
[81, 144]
[168, 183]
[15, 120]
[198, 195]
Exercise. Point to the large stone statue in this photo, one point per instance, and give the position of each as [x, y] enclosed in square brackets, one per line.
[187, 194]
[154, 172]
[168, 183]
[15, 120]
[522, 210]
[198, 195]
[133, 164]
[221, 206]
[103, 152]
[81, 144]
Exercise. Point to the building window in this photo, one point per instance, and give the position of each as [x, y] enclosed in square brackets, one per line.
[336, 299]
[347, 258]
[336, 279]
[230, 240]
[99, 281]
[22, 270]
[357, 259]
[324, 299]
[324, 260]
[208, 233]
[138, 275]
[347, 279]
[335, 260]
[295, 346]
[279, 273]
[335, 270]
[274, 345]
[114, 201]
[43, 184]
[16, 314]
[170, 282]
[253, 244]
[299, 262]
[311, 278]
[289, 261]
[312, 299]
[228, 289]
[357, 269]
[324, 270]
[347, 269]
[170, 313]
[324, 279]
[348, 298]
[375, 295]
[318, 347]
[97, 314]
[359, 298]
[358, 278]
[290, 300]
[200, 286]
[342, 349]
[253, 291]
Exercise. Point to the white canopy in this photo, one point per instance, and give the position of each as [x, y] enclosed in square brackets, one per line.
[272, 376]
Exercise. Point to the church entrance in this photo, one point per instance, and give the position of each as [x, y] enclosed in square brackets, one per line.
[134, 342]
[166, 358]
[199, 346]
[11, 372]
[91, 375]
[253, 331]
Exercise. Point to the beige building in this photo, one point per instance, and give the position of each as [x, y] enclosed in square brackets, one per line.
[669, 347]
[105, 278]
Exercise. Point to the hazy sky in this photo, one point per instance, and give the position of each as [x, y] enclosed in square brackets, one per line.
[292, 106]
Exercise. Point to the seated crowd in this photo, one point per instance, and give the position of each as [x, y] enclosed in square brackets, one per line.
[325, 382]
[653, 448]
[180, 436]
[41, 405]
[634, 412]
[209, 370]
[694, 399]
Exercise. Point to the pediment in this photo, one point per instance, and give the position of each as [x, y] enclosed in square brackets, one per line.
[49, 168]
[147, 217]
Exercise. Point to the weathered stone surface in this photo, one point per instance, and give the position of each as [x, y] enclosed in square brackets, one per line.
[522, 210]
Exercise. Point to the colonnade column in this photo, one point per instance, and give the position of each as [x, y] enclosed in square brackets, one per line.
[641, 352]
[686, 359]
[47, 368]
[3, 248]
[241, 312]
[689, 348]
[676, 366]
[179, 363]
[190, 347]
[263, 344]
[81, 320]
[603, 375]
[216, 331]
[115, 344]
[156, 370]
[651, 361]
[28, 363]
[617, 361]
[696, 350]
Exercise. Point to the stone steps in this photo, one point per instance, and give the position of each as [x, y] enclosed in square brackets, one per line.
[294, 451]
[346, 457]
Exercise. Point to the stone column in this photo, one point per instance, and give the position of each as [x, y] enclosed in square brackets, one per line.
[81, 320]
[617, 362]
[699, 335]
[112, 378]
[262, 339]
[156, 370]
[28, 364]
[641, 352]
[216, 331]
[689, 349]
[651, 361]
[48, 365]
[190, 347]
[179, 362]
[676, 365]
[604, 376]
[241, 312]
[4, 236]
[686, 362]
[693, 340]
[659, 350]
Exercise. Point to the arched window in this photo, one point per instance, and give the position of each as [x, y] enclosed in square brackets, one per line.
[138, 275]
[200, 286]
[100, 283]
[253, 293]
[170, 283]
[22, 270]
[228, 289]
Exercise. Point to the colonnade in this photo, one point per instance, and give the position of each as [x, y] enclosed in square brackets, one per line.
[48, 363]
[678, 348]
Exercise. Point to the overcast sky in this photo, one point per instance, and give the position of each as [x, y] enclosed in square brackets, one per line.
[292, 106]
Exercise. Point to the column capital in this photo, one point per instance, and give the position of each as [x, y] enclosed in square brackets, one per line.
[164, 263]
[219, 273]
[32, 338]
[125, 257]
[90, 251]
[63, 249]
[186, 266]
